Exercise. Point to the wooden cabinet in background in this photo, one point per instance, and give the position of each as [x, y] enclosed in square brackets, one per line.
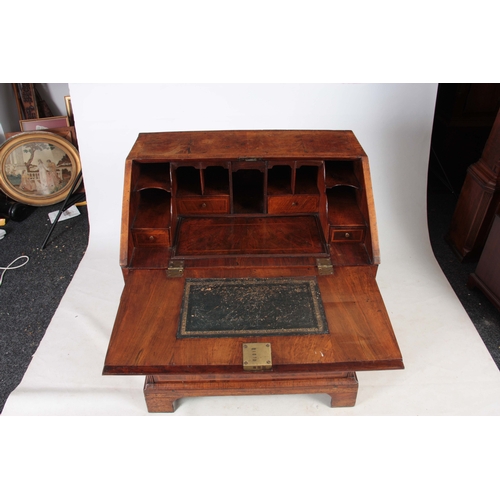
[260, 242]
[478, 201]
[487, 274]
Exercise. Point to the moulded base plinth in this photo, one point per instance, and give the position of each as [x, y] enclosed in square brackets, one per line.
[162, 391]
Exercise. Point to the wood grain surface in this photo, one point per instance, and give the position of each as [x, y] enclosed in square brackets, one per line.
[144, 336]
[249, 204]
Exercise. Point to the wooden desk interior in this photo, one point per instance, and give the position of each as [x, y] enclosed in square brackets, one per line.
[247, 205]
[231, 236]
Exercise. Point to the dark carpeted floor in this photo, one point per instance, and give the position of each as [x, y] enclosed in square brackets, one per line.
[441, 203]
[30, 295]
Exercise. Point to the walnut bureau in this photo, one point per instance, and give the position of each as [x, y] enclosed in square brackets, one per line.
[249, 260]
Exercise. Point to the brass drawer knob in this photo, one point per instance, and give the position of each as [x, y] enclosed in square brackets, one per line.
[347, 235]
[151, 238]
[294, 203]
[203, 205]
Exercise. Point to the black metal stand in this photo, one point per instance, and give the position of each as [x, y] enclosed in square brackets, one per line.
[70, 200]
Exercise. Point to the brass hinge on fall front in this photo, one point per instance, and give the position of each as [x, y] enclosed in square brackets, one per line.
[175, 269]
[324, 266]
[257, 356]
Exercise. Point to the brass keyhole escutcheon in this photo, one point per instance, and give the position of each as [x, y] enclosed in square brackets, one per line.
[257, 356]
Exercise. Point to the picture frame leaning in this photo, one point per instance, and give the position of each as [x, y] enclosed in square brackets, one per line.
[38, 168]
[44, 123]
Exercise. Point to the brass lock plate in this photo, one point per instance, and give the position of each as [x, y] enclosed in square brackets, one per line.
[257, 356]
[175, 269]
[325, 266]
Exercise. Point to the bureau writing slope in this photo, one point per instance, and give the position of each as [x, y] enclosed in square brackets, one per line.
[249, 260]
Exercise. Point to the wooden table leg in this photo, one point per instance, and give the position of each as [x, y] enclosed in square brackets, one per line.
[158, 400]
[345, 394]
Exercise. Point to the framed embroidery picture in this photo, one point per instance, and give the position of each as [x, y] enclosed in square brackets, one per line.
[44, 123]
[38, 168]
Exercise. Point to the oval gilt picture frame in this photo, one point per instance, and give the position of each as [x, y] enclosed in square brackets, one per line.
[38, 168]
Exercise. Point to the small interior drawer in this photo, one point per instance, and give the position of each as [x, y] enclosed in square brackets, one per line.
[292, 204]
[151, 237]
[348, 235]
[202, 205]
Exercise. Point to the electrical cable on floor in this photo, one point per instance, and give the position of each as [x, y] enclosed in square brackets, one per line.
[10, 266]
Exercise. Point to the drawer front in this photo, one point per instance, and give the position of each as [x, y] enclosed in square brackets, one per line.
[292, 204]
[346, 235]
[151, 237]
[192, 206]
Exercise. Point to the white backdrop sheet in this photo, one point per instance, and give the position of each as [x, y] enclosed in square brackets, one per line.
[448, 370]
